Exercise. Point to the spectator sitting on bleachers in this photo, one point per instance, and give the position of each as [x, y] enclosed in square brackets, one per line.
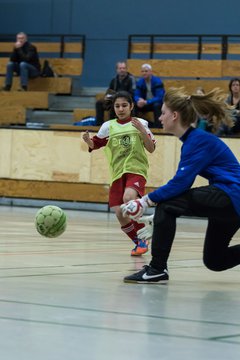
[149, 94]
[24, 61]
[123, 81]
[234, 100]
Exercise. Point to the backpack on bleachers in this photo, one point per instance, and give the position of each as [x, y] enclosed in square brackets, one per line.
[86, 121]
[47, 70]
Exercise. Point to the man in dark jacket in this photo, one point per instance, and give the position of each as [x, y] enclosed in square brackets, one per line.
[149, 94]
[123, 81]
[24, 61]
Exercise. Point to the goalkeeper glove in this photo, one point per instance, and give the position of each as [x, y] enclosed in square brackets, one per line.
[135, 208]
[146, 232]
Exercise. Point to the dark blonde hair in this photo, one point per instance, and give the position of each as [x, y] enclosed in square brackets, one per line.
[211, 106]
[199, 89]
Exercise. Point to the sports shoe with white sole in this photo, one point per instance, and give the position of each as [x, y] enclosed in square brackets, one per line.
[148, 275]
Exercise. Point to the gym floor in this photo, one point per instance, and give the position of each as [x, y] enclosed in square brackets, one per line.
[64, 298]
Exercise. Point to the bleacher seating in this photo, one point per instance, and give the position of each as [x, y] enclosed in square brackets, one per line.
[223, 47]
[37, 100]
[187, 60]
[52, 85]
[13, 105]
[179, 68]
[65, 54]
[12, 114]
[79, 114]
[188, 69]
[191, 85]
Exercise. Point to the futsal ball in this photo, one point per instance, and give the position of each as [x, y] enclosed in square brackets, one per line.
[134, 209]
[50, 221]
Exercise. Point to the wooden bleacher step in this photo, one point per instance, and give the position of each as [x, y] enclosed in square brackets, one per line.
[12, 115]
[191, 85]
[179, 68]
[27, 99]
[79, 114]
[53, 85]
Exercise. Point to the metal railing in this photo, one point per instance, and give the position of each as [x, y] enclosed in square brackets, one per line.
[63, 39]
[223, 41]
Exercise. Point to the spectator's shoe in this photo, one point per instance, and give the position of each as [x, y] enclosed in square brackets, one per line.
[140, 248]
[23, 88]
[6, 88]
[148, 275]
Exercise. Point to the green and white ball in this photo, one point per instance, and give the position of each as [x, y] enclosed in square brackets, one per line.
[50, 221]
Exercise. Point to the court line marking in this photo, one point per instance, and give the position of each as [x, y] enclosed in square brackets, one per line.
[123, 313]
[111, 329]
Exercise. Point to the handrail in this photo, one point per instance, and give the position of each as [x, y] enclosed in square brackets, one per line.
[152, 39]
[62, 38]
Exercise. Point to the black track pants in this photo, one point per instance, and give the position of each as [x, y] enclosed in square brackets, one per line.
[223, 222]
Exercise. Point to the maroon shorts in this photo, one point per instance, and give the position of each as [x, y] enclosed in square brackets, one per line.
[118, 187]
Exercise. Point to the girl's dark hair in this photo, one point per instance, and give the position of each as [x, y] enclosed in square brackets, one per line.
[231, 82]
[122, 94]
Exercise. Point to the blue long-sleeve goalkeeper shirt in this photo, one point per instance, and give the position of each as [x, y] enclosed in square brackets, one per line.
[206, 155]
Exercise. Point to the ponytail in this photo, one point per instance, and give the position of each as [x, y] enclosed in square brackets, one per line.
[211, 106]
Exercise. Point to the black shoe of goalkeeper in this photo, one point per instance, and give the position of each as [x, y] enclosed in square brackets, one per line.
[148, 275]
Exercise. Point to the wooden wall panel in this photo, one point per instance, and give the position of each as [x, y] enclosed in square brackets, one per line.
[99, 168]
[32, 155]
[60, 159]
[162, 163]
[85, 160]
[54, 190]
[5, 153]
[234, 146]
[68, 157]
[49, 155]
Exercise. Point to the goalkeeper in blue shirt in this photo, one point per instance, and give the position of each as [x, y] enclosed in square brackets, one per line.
[202, 154]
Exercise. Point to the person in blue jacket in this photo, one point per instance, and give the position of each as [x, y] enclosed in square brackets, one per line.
[148, 95]
[203, 154]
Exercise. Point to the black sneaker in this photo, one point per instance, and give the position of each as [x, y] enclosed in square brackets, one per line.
[148, 275]
[6, 88]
